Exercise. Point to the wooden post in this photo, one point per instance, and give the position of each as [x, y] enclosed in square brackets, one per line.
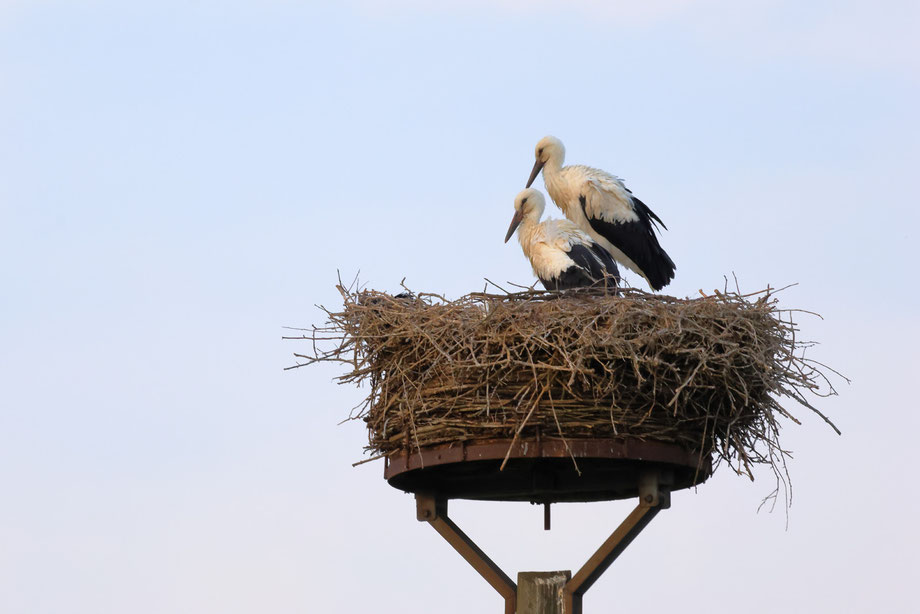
[540, 592]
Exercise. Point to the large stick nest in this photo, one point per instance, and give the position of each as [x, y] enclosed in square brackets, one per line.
[709, 374]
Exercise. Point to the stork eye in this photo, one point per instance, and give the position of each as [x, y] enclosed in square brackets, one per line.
[540, 152]
[524, 200]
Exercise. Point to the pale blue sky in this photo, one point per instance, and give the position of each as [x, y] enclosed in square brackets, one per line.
[180, 180]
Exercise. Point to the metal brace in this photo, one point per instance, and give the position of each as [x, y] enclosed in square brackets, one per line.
[654, 496]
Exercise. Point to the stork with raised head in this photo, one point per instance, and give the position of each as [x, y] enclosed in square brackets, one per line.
[599, 204]
[562, 256]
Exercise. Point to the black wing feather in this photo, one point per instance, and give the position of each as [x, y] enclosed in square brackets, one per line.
[640, 205]
[637, 240]
[591, 265]
[572, 277]
[612, 276]
[643, 211]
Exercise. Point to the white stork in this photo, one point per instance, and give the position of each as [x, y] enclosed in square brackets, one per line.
[599, 204]
[562, 256]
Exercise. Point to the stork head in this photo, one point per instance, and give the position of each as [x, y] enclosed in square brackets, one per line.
[549, 148]
[530, 204]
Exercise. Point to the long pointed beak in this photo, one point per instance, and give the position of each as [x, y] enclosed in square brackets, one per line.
[537, 166]
[515, 222]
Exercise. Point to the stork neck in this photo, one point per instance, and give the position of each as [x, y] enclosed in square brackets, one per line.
[552, 166]
[525, 233]
[555, 186]
[551, 172]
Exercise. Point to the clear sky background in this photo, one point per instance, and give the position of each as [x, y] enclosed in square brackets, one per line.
[179, 180]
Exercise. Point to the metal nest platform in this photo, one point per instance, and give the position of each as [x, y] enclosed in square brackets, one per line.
[548, 471]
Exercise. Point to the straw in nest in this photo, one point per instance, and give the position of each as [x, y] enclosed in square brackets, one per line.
[710, 374]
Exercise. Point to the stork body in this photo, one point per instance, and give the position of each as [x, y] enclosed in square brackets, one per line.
[562, 255]
[600, 205]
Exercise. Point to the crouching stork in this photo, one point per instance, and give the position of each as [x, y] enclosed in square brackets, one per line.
[562, 256]
[599, 204]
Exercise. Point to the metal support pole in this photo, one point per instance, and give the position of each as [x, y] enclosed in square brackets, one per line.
[434, 511]
[651, 501]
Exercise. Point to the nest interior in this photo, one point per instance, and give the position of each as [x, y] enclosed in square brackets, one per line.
[709, 374]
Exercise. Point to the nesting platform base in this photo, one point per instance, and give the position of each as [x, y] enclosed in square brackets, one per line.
[548, 471]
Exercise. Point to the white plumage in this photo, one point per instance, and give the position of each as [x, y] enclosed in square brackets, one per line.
[562, 255]
[602, 206]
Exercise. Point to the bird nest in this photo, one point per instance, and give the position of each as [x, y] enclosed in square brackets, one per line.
[710, 374]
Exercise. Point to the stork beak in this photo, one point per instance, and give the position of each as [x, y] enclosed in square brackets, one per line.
[515, 222]
[537, 166]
